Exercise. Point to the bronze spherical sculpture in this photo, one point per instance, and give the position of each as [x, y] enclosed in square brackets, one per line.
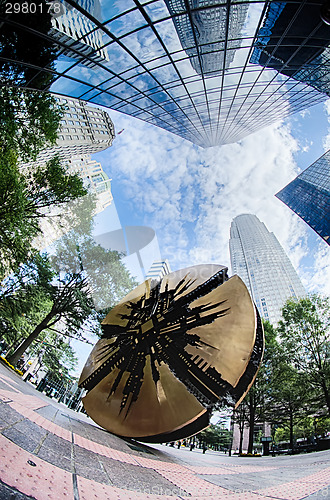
[170, 352]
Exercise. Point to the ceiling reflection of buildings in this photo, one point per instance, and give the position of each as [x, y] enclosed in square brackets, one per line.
[294, 42]
[131, 56]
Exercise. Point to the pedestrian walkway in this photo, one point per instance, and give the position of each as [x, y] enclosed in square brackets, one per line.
[50, 452]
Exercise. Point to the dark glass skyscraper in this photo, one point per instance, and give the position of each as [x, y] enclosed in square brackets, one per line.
[294, 41]
[184, 66]
[308, 195]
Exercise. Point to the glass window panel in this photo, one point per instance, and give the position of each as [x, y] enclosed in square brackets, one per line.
[144, 44]
[106, 100]
[156, 10]
[120, 60]
[126, 23]
[168, 34]
[93, 75]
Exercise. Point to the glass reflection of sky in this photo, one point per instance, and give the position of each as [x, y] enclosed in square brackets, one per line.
[150, 76]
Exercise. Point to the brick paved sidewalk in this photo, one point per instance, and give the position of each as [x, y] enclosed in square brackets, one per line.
[49, 452]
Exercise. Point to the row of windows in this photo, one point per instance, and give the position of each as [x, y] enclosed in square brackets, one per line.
[152, 77]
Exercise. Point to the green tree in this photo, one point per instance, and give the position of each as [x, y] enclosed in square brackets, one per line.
[71, 306]
[305, 335]
[55, 354]
[77, 251]
[23, 203]
[257, 399]
[216, 435]
[239, 418]
[29, 121]
[289, 396]
[24, 299]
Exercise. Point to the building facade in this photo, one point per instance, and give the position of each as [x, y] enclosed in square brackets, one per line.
[202, 32]
[277, 44]
[158, 270]
[59, 220]
[75, 31]
[259, 259]
[84, 130]
[308, 195]
[95, 179]
[185, 67]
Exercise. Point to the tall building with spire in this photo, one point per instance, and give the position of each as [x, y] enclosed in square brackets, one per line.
[259, 259]
[209, 71]
[308, 195]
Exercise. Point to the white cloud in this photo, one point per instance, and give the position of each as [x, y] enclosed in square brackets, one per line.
[319, 276]
[190, 195]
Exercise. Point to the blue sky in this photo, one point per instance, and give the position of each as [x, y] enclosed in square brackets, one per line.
[189, 195]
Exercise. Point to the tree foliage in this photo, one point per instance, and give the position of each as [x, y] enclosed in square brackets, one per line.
[55, 353]
[253, 407]
[23, 200]
[291, 390]
[24, 299]
[29, 121]
[305, 338]
[289, 397]
[70, 305]
[216, 435]
[77, 251]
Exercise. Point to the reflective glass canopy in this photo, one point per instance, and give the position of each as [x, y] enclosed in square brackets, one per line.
[209, 71]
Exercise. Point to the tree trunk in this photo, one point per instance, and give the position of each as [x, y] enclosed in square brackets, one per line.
[13, 358]
[291, 429]
[241, 426]
[251, 423]
[326, 393]
[241, 441]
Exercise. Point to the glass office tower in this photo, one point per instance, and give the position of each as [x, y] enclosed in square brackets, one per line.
[308, 195]
[83, 130]
[278, 43]
[258, 258]
[75, 30]
[202, 32]
[183, 66]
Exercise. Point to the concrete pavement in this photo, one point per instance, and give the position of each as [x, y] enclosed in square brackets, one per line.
[50, 452]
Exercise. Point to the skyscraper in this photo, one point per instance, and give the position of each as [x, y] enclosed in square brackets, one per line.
[258, 258]
[158, 269]
[77, 32]
[202, 33]
[308, 195]
[84, 130]
[277, 45]
[199, 84]
[58, 221]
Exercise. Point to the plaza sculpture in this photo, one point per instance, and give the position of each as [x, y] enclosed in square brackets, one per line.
[171, 351]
